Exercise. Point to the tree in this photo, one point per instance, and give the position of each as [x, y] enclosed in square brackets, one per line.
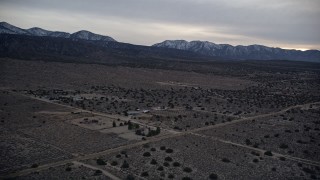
[130, 125]
[101, 162]
[114, 124]
[97, 172]
[125, 164]
[158, 130]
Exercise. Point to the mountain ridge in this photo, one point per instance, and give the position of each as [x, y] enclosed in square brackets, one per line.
[202, 48]
[36, 31]
[255, 51]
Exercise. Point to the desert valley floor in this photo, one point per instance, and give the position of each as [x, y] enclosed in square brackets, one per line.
[237, 120]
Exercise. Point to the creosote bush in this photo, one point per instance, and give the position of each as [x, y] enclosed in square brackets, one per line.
[168, 159]
[176, 164]
[268, 153]
[146, 154]
[169, 151]
[187, 169]
[213, 176]
[145, 174]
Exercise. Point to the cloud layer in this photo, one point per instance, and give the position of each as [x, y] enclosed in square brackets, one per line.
[285, 23]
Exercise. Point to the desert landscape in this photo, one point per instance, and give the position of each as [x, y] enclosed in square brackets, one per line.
[89, 121]
[160, 90]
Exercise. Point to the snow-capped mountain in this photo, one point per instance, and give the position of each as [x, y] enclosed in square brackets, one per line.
[240, 52]
[87, 35]
[196, 48]
[60, 34]
[6, 28]
[10, 29]
[38, 31]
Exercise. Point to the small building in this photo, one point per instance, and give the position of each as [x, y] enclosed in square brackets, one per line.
[146, 111]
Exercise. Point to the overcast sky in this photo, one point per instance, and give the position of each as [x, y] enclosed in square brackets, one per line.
[276, 23]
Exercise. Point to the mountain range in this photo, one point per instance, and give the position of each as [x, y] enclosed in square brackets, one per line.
[180, 49]
[6, 28]
[254, 52]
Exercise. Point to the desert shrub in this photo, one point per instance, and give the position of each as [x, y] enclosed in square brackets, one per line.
[68, 169]
[160, 168]
[170, 176]
[114, 163]
[248, 142]
[187, 169]
[138, 132]
[282, 158]
[145, 174]
[118, 156]
[168, 159]
[176, 164]
[34, 165]
[186, 178]
[123, 152]
[225, 160]
[213, 176]
[146, 154]
[255, 160]
[166, 164]
[130, 177]
[169, 151]
[268, 153]
[153, 161]
[283, 146]
[153, 149]
[162, 148]
[101, 162]
[97, 172]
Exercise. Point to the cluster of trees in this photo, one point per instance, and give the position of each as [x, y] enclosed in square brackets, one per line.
[133, 125]
[153, 132]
